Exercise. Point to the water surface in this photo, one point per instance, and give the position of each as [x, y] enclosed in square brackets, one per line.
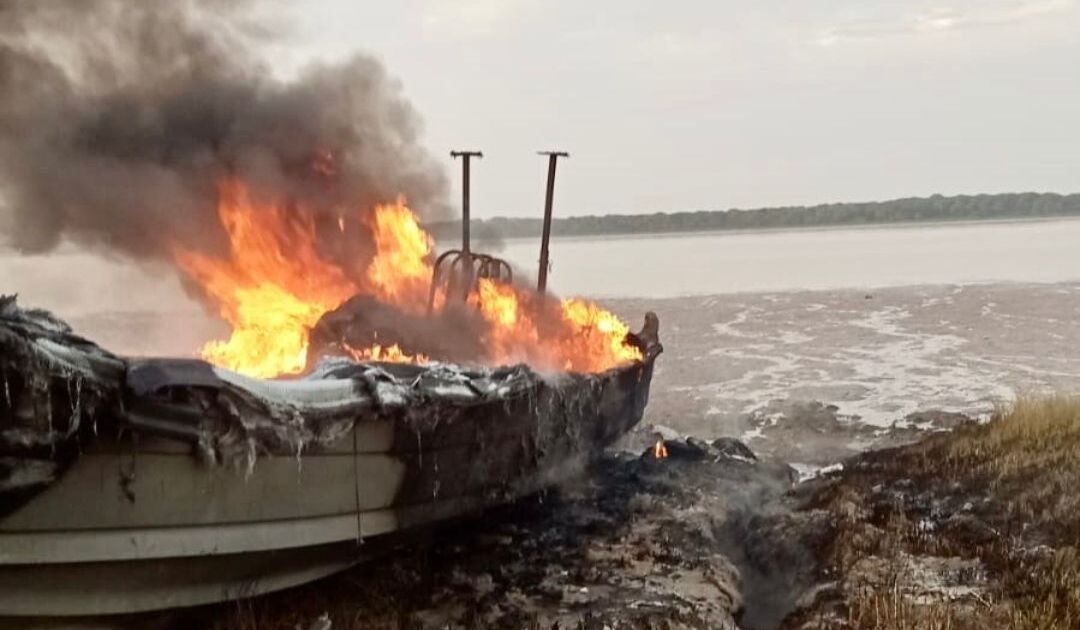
[671, 265]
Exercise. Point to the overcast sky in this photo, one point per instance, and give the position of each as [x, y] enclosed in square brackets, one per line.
[714, 104]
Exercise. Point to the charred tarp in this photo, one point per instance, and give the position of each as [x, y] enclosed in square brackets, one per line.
[60, 390]
[431, 410]
[54, 386]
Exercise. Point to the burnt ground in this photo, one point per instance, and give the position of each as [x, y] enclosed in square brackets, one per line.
[974, 527]
[640, 543]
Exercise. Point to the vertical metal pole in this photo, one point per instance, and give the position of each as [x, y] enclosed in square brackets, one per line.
[465, 156]
[464, 262]
[465, 204]
[549, 199]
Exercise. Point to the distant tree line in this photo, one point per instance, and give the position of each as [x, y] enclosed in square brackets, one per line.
[914, 209]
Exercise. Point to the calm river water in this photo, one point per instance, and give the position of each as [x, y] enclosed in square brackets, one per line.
[654, 266]
[671, 265]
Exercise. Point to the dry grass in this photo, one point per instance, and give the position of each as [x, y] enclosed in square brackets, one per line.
[1005, 493]
[1031, 434]
[1028, 457]
[892, 609]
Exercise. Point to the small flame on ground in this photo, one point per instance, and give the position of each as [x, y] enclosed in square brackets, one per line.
[660, 449]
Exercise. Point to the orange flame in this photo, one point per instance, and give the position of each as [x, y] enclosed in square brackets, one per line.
[660, 450]
[401, 270]
[390, 354]
[274, 285]
[596, 339]
[271, 288]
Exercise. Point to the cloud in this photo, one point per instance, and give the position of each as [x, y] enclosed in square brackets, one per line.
[679, 46]
[945, 18]
[473, 17]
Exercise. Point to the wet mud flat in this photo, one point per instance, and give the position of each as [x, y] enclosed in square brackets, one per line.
[752, 365]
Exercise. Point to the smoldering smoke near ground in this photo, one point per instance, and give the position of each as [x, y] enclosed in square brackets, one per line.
[118, 119]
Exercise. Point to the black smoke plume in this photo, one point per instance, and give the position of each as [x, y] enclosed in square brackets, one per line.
[119, 118]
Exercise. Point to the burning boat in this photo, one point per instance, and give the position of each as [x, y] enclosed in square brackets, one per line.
[343, 415]
[368, 387]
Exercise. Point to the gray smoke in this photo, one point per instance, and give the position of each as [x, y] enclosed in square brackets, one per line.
[118, 119]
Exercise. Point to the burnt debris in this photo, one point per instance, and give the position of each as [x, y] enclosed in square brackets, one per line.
[54, 387]
[636, 543]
